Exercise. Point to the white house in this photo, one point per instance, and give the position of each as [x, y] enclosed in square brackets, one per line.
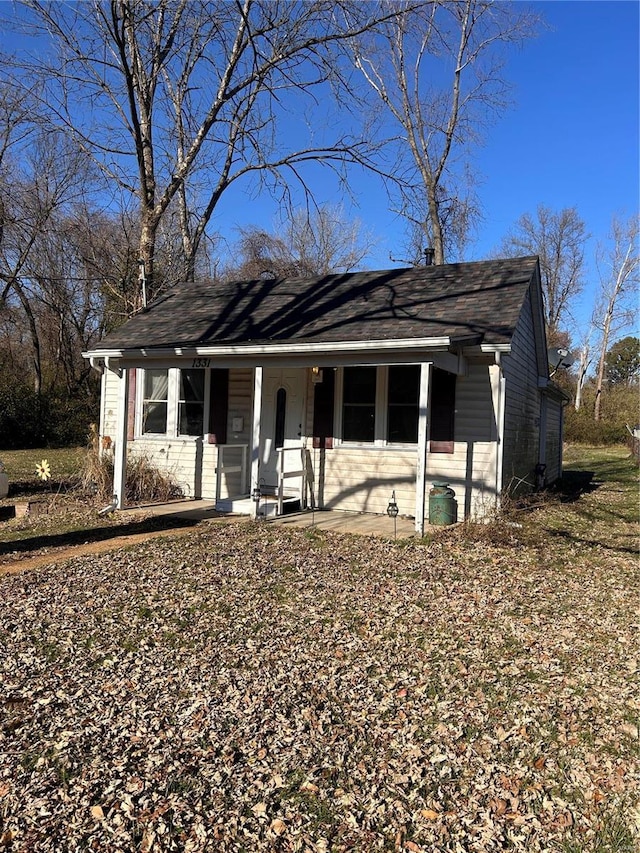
[341, 390]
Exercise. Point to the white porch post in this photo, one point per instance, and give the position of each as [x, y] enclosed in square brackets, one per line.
[423, 434]
[255, 433]
[500, 419]
[120, 454]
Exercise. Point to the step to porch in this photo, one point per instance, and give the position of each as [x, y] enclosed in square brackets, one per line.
[268, 508]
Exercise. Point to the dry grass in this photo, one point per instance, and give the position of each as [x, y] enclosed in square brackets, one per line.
[274, 690]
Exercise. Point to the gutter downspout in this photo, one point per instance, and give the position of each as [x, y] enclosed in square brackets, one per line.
[120, 454]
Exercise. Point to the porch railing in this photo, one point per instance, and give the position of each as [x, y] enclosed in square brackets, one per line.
[284, 474]
[226, 466]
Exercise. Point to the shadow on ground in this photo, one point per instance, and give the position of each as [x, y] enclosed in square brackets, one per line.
[96, 534]
[573, 484]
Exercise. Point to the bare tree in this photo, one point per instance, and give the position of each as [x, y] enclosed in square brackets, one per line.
[177, 101]
[460, 43]
[619, 268]
[307, 244]
[33, 192]
[584, 363]
[558, 238]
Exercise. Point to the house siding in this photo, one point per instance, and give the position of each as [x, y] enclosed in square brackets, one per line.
[110, 405]
[361, 478]
[522, 407]
[554, 437]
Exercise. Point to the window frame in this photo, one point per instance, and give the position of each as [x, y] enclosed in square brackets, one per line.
[381, 409]
[144, 401]
[173, 407]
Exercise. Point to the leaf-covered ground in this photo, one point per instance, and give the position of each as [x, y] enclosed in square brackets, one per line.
[249, 688]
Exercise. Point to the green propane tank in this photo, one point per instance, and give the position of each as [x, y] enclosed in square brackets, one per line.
[442, 504]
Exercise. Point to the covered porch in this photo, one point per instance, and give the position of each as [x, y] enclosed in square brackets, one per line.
[288, 453]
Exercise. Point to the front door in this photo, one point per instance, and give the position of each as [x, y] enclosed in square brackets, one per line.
[282, 424]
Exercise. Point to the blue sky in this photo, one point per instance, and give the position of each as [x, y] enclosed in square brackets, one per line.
[570, 138]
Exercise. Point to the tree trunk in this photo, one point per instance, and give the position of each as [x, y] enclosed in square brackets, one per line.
[35, 339]
[147, 252]
[602, 361]
[582, 372]
[436, 227]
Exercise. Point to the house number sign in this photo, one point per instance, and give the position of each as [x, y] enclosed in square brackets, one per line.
[201, 362]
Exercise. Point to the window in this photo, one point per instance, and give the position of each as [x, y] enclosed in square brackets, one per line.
[402, 403]
[359, 404]
[154, 403]
[172, 402]
[191, 403]
[380, 405]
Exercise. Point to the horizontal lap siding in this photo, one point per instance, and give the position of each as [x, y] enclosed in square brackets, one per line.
[110, 414]
[362, 479]
[470, 469]
[554, 431]
[522, 407]
[180, 459]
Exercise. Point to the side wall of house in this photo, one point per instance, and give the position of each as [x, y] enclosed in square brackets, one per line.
[522, 407]
[109, 408]
[554, 440]
[190, 462]
[361, 478]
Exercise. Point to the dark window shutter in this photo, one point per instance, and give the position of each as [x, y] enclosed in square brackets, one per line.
[323, 401]
[443, 408]
[131, 405]
[218, 405]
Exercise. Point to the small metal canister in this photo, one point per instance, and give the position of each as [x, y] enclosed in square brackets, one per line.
[443, 508]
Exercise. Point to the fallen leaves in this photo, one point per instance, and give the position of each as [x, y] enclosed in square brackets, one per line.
[280, 692]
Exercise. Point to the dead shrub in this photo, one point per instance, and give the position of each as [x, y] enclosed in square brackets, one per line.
[144, 484]
[510, 525]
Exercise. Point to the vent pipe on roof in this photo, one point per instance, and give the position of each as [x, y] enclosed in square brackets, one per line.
[429, 255]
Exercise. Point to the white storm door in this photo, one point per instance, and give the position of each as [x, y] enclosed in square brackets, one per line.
[282, 423]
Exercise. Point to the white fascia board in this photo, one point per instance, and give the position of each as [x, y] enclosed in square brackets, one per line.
[492, 348]
[331, 347]
[306, 354]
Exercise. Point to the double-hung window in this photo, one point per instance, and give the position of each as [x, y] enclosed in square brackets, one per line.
[191, 402]
[173, 402]
[155, 402]
[380, 406]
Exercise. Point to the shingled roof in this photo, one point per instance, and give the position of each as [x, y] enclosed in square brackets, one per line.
[479, 301]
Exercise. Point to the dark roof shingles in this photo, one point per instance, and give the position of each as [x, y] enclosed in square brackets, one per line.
[481, 299]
